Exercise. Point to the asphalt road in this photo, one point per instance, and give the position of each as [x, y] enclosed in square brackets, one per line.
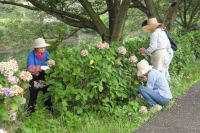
[182, 117]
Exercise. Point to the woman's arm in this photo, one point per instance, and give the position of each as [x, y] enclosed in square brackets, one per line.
[153, 42]
[32, 67]
[34, 70]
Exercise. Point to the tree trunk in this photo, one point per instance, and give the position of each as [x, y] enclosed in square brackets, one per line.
[101, 28]
[151, 10]
[171, 14]
[119, 21]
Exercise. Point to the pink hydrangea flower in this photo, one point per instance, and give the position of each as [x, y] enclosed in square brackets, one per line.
[25, 76]
[121, 50]
[13, 79]
[103, 45]
[1, 90]
[84, 52]
[133, 59]
[16, 91]
[143, 50]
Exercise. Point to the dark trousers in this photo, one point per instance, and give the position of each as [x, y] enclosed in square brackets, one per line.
[34, 92]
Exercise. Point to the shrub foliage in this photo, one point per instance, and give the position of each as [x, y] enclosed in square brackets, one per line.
[94, 78]
[102, 80]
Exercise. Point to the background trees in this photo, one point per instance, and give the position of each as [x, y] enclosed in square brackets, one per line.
[189, 15]
[86, 13]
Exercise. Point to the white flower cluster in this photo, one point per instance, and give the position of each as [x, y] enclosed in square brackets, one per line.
[143, 110]
[103, 46]
[12, 115]
[25, 76]
[8, 68]
[121, 50]
[3, 131]
[16, 90]
[133, 59]
[51, 63]
[84, 52]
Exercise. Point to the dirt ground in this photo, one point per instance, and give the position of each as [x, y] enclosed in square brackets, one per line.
[182, 117]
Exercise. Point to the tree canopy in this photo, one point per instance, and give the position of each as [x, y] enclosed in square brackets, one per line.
[86, 13]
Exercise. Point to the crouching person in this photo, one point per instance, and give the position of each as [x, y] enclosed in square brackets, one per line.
[157, 91]
[36, 66]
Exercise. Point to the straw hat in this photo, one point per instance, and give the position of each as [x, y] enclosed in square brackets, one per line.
[40, 43]
[143, 67]
[150, 25]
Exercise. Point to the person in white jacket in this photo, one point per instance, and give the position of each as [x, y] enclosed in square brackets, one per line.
[160, 46]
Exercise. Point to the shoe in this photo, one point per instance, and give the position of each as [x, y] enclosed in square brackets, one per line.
[156, 107]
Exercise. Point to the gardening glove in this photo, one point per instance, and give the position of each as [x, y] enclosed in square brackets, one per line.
[44, 68]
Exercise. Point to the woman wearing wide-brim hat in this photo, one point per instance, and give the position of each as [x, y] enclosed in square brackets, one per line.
[157, 91]
[159, 45]
[36, 64]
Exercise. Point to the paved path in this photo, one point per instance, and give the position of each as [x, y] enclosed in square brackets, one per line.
[182, 117]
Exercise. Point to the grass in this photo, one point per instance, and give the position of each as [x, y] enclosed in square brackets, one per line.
[42, 121]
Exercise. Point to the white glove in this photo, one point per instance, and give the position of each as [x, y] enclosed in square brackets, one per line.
[44, 67]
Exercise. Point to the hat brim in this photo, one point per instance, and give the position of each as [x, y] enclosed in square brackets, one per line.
[42, 46]
[150, 28]
[142, 72]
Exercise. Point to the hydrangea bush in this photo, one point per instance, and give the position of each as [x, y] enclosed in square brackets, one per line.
[12, 85]
[102, 77]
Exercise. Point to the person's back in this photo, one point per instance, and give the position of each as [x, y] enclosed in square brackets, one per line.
[162, 41]
[158, 82]
[160, 46]
[157, 91]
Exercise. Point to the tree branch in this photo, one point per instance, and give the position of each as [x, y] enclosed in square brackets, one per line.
[19, 4]
[171, 14]
[73, 22]
[193, 13]
[67, 17]
[178, 22]
[179, 14]
[151, 10]
[48, 9]
[102, 12]
[100, 26]
[137, 4]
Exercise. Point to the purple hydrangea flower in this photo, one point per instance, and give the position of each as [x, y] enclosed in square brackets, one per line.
[6, 91]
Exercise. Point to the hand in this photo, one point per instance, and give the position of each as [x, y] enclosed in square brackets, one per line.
[44, 67]
[143, 78]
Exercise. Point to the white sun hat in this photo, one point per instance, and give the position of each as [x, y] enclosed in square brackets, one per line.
[40, 43]
[143, 67]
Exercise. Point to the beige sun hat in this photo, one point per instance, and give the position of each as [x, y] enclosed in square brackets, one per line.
[143, 67]
[151, 25]
[40, 43]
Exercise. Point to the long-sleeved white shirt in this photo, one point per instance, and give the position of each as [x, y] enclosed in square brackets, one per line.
[158, 40]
